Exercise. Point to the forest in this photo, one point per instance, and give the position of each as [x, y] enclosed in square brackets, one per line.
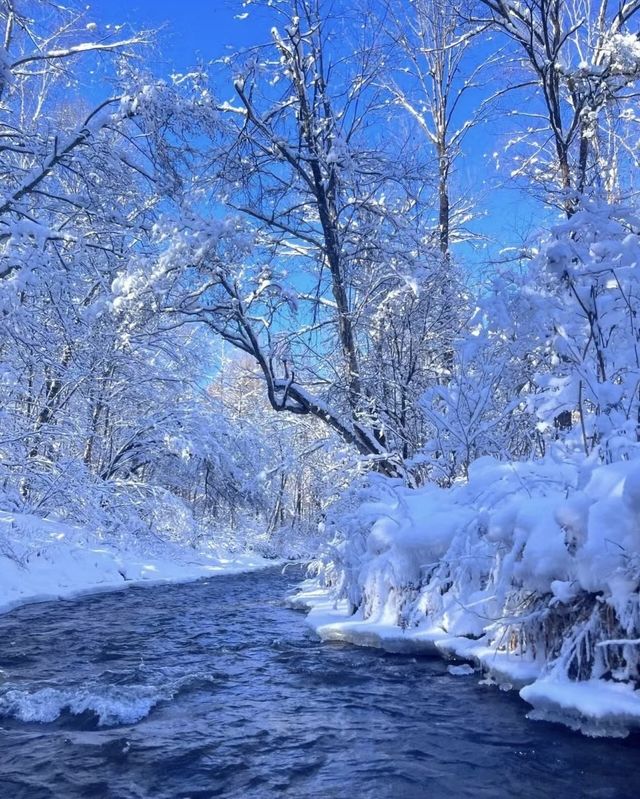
[362, 294]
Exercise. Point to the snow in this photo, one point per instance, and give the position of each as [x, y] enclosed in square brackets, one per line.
[461, 671]
[331, 626]
[42, 560]
[524, 562]
[594, 707]
[508, 669]
[623, 50]
[527, 571]
[331, 621]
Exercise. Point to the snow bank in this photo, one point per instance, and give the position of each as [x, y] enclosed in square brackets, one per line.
[530, 571]
[44, 559]
[331, 619]
[594, 707]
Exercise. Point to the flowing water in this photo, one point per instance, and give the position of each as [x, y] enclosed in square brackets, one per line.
[216, 689]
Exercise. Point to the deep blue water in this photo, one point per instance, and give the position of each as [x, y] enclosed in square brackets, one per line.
[216, 689]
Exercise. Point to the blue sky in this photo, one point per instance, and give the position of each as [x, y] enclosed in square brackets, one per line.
[194, 30]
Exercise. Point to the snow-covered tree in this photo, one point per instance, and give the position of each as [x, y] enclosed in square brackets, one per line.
[104, 414]
[437, 78]
[322, 232]
[579, 61]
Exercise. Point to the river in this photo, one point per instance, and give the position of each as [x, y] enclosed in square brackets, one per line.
[215, 688]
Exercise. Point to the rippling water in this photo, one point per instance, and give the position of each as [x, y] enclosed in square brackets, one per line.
[215, 689]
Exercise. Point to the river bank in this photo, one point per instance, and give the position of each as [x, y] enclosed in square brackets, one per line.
[45, 559]
[596, 708]
[528, 570]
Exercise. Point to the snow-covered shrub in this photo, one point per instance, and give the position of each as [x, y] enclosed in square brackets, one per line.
[537, 559]
[588, 285]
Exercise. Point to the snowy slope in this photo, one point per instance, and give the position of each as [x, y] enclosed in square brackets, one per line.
[43, 559]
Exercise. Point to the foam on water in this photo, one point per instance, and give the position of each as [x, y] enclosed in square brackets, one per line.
[112, 704]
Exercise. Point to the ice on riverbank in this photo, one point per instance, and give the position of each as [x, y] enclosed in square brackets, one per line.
[43, 559]
[530, 571]
[594, 707]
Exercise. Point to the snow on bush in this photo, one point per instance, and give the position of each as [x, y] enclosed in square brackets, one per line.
[539, 560]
